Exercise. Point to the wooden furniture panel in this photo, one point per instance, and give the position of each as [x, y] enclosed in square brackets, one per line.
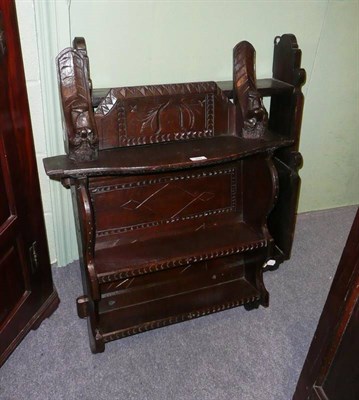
[286, 111]
[172, 188]
[124, 205]
[194, 295]
[12, 275]
[331, 369]
[27, 294]
[161, 113]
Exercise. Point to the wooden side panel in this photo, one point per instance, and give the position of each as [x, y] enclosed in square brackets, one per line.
[285, 119]
[259, 190]
[282, 219]
[287, 108]
[12, 280]
[5, 204]
[331, 369]
[342, 381]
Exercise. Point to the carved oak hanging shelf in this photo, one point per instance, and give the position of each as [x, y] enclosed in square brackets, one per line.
[181, 196]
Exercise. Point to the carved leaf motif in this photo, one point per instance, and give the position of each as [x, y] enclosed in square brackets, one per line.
[185, 108]
[152, 118]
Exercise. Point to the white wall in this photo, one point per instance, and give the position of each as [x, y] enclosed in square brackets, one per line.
[330, 139]
[177, 41]
[132, 42]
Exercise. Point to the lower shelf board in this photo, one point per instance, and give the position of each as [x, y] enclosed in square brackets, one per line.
[156, 254]
[140, 317]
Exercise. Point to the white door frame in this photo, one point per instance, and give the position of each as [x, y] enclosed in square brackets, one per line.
[53, 34]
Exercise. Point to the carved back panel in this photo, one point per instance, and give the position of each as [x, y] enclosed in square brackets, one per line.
[139, 115]
[130, 207]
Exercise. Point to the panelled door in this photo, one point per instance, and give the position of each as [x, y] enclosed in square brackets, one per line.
[27, 294]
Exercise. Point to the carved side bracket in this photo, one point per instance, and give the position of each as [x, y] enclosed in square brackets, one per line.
[75, 91]
[286, 61]
[246, 96]
[286, 112]
[86, 231]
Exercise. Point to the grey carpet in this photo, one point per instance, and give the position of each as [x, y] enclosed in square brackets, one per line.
[231, 355]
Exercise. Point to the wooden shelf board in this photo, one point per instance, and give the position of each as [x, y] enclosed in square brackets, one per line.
[137, 318]
[154, 254]
[266, 87]
[164, 156]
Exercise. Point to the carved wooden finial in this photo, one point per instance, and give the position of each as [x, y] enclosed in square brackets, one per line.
[79, 44]
[75, 91]
[253, 123]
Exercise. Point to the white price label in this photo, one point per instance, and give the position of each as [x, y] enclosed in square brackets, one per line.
[200, 158]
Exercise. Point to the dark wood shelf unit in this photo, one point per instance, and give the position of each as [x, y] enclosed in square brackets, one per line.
[181, 195]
